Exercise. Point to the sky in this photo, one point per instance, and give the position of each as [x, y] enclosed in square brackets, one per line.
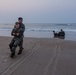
[38, 11]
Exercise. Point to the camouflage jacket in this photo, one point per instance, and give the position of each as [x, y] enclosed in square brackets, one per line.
[17, 30]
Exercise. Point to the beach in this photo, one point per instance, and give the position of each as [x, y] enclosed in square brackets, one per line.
[41, 56]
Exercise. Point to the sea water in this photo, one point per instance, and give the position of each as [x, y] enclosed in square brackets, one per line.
[42, 30]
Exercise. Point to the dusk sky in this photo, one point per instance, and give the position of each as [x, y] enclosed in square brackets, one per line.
[38, 11]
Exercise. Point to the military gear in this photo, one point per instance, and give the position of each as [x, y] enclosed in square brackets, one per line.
[22, 26]
[20, 51]
[16, 39]
[12, 55]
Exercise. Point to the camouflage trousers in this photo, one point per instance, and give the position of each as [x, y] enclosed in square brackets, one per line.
[16, 42]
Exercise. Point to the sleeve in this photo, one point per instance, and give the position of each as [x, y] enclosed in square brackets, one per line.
[20, 32]
[23, 28]
[12, 32]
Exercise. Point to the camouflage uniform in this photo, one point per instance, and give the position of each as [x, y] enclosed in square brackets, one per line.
[16, 40]
[23, 29]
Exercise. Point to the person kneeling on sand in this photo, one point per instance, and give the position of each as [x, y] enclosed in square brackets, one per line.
[17, 32]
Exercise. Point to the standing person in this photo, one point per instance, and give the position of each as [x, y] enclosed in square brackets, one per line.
[20, 20]
[17, 32]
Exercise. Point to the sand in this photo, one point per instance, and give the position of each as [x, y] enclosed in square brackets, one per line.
[40, 57]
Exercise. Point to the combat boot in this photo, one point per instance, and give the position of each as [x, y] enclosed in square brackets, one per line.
[12, 55]
[10, 48]
[13, 52]
[20, 51]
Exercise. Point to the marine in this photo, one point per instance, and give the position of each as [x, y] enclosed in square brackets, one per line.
[20, 20]
[17, 32]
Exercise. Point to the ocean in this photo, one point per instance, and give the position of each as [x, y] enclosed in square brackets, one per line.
[42, 30]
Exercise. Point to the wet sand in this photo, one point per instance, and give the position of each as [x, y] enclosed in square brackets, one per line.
[41, 56]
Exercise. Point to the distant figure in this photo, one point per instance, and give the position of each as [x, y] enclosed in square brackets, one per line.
[55, 34]
[17, 32]
[60, 34]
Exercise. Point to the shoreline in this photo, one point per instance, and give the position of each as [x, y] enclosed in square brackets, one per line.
[39, 38]
[32, 34]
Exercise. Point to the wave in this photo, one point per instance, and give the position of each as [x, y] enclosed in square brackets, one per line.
[39, 29]
[5, 28]
[50, 30]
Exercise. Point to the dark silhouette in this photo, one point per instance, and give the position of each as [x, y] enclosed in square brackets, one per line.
[55, 34]
[60, 34]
